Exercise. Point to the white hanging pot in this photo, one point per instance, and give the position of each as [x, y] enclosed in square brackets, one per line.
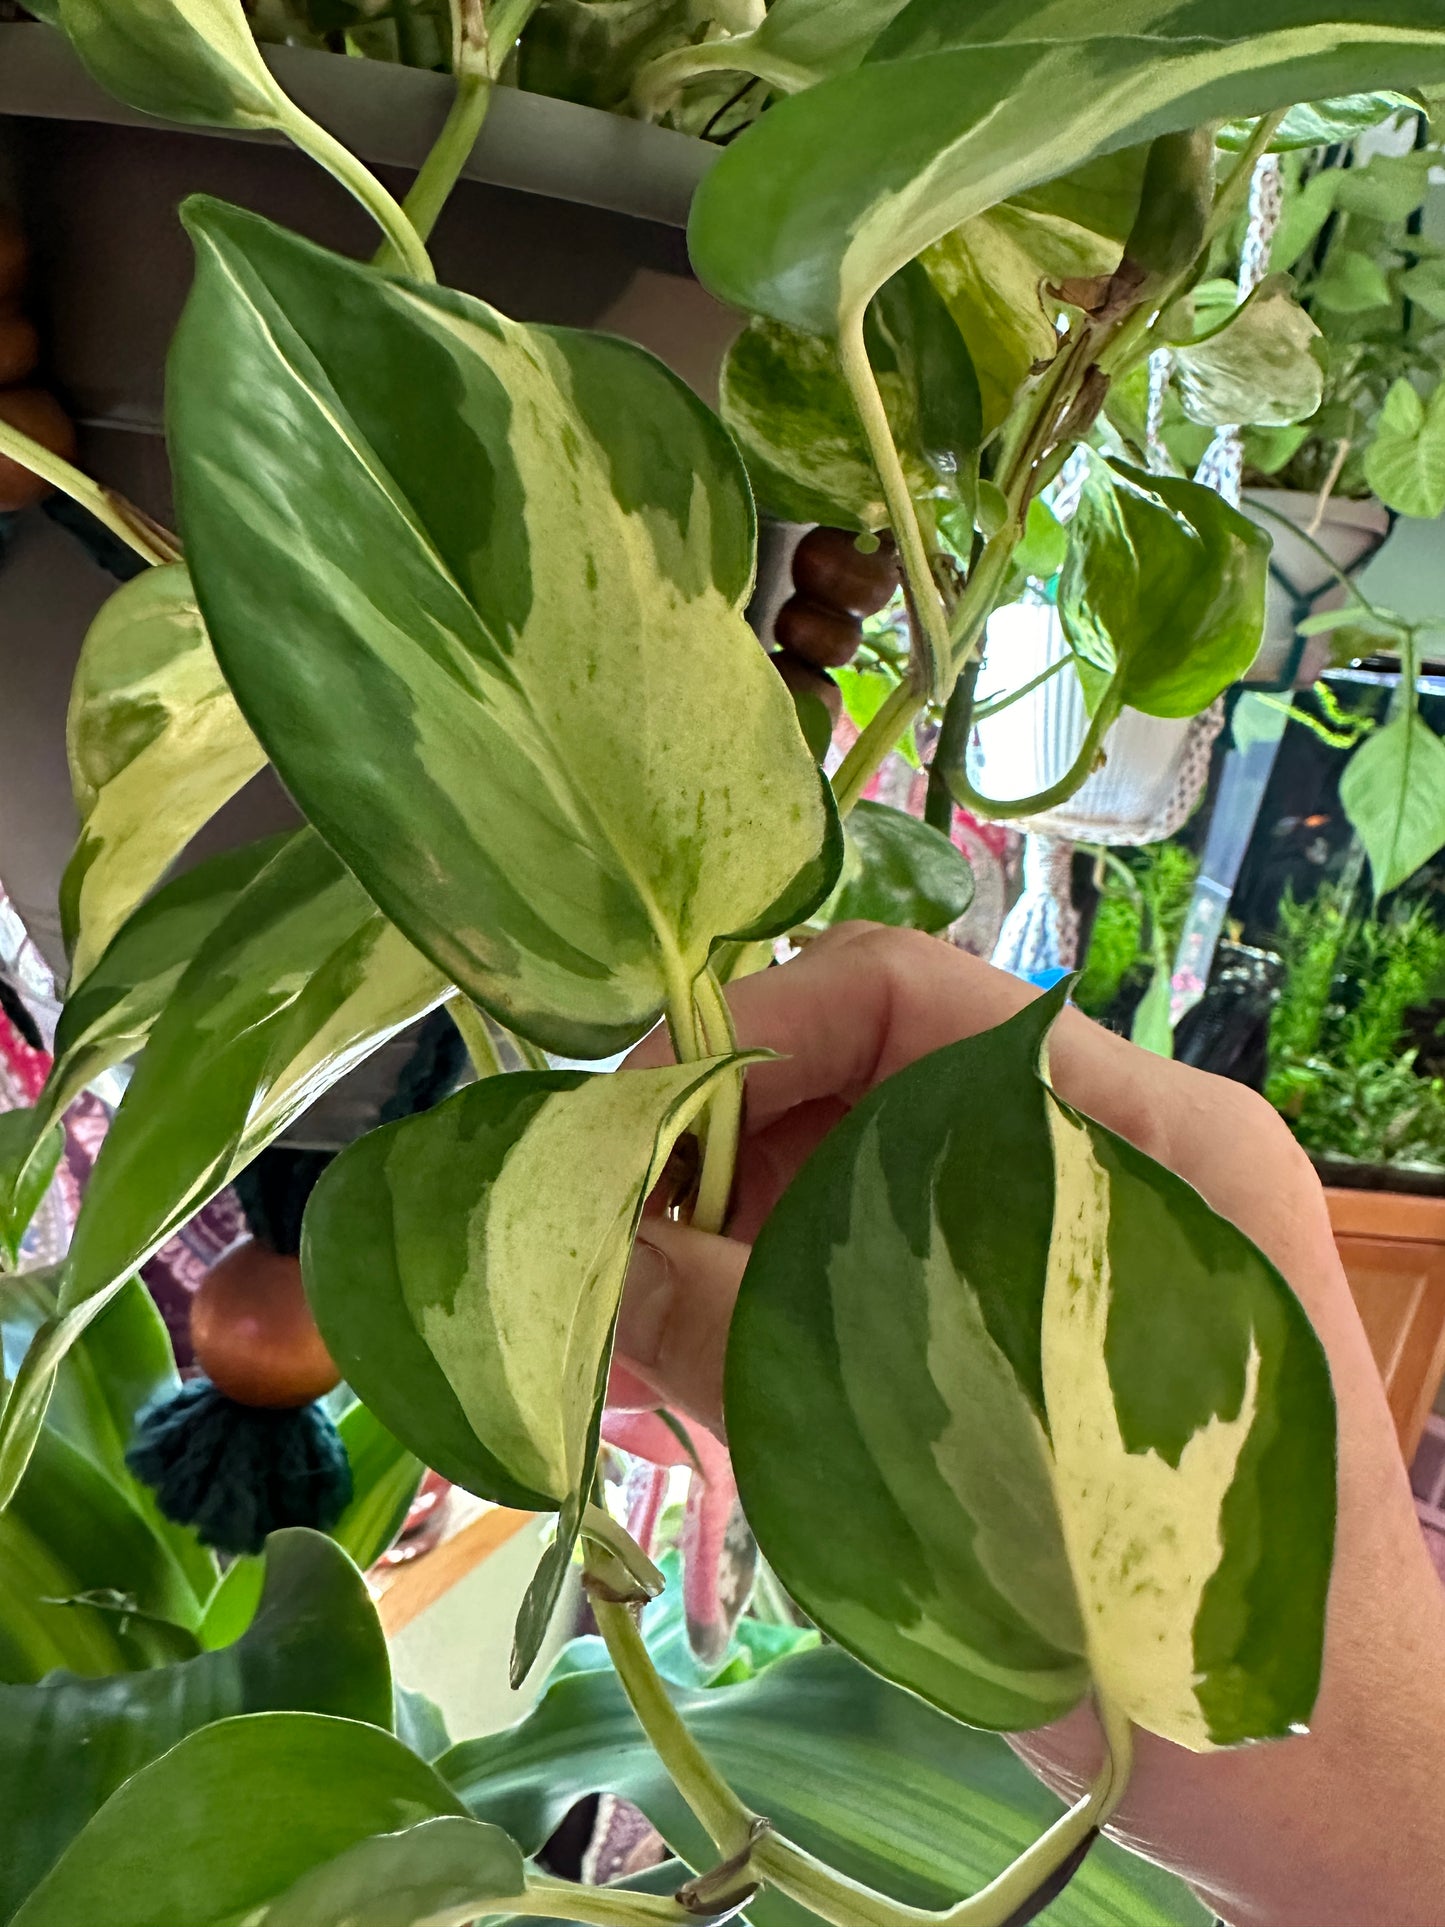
[1300, 581]
[1033, 743]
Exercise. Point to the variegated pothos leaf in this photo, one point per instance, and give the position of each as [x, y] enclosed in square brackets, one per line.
[1086, 1435]
[156, 746]
[520, 582]
[465, 1268]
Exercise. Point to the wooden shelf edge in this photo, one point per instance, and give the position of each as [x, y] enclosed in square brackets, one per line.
[422, 1582]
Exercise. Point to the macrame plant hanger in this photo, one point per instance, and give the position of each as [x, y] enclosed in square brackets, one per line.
[1041, 932]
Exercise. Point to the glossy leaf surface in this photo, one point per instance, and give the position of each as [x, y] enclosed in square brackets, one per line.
[1393, 792]
[156, 746]
[231, 1818]
[1087, 1433]
[525, 593]
[1162, 594]
[29, 1157]
[1257, 367]
[186, 60]
[67, 1744]
[898, 870]
[937, 125]
[879, 1785]
[466, 1282]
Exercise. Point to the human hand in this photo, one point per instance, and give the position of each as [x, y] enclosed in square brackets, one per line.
[1338, 1829]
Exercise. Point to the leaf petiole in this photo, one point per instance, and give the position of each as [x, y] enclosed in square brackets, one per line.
[134, 527]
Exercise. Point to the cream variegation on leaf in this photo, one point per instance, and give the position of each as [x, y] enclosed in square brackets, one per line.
[1069, 1428]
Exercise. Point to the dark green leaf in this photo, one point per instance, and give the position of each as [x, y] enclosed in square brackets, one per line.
[521, 590]
[938, 125]
[898, 870]
[441, 1871]
[231, 1818]
[1393, 792]
[156, 746]
[1084, 1400]
[67, 1744]
[1163, 591]
[868, 1777]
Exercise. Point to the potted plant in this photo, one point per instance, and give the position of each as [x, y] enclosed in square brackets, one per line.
[474, 587]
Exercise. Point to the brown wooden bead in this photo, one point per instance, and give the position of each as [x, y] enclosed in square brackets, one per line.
[40, 416]
[829, 569]
[820, 636]
[253, 1333]
[19, 347]
[14, 256]
[804, 680]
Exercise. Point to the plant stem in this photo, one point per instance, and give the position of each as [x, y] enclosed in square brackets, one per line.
[996, 705]
[1074, 777]
[359, 180]
[728, 1822]
[136, 529]
[472, 1026]
[725, 1111]
[594, 1906]
[931, 676]
[442, 168]
[951, 749]
[901, 707]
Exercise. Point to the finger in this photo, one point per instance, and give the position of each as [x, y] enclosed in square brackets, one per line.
[672, 1328]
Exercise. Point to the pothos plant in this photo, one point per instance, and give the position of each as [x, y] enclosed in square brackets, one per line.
[475, 589]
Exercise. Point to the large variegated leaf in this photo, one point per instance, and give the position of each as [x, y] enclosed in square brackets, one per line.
[465, 1268]
[228, 1820]
[939, 124]
[870, 1779]
[519, 583]
[67, 1743]
[293, 987]
[1087, 1433]
[156, 746]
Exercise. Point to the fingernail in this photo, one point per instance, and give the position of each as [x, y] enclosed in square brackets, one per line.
[646, 1303]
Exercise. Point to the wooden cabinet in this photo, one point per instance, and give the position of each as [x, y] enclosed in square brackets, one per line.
[1393, 1250]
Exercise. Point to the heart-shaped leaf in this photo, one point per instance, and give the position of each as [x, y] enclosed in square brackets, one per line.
[1405, 463]
[1393, 792]
[466, 1282]
[67, 1743]
[900, 871]
[231, 1818]
[1162, 595]
[533, 547]
[1086, 1436]
[877, 1784]
[156, 746]
[1258, 366]
[957, 108]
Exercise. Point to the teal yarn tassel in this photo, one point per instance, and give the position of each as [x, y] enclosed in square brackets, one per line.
[236, 1472]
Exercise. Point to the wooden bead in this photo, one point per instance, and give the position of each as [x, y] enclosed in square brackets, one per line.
[14, 256]
[820, 636]
[40, 416]
[19, 347]
[830, 570]
[253, 1333]
[803, 679]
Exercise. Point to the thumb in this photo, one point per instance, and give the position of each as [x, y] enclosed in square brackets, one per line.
[672, 1328]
